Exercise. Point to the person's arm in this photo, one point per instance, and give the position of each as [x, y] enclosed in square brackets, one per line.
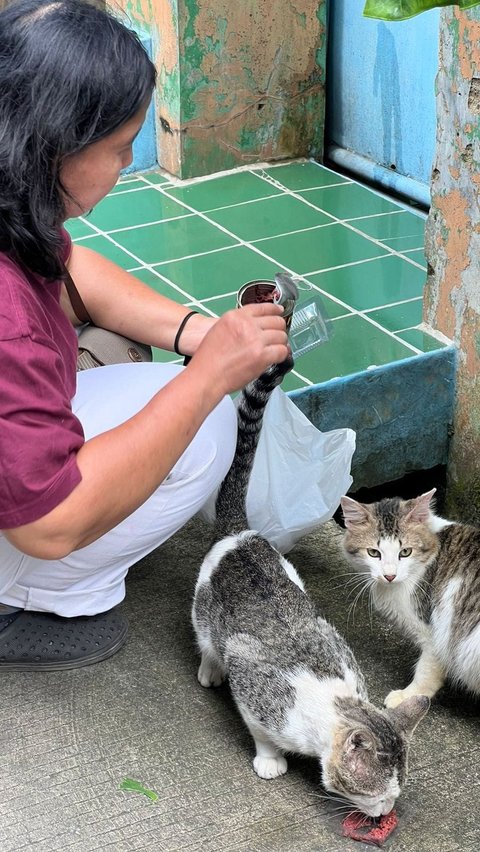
[121, 468]
[118, 301]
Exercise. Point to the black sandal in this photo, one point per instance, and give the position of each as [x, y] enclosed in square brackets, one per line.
[41, 641]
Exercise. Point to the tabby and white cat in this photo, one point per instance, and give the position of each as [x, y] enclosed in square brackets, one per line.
[294, 679]
[424, 574]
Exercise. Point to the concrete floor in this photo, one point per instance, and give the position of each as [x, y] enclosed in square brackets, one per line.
[68, 740]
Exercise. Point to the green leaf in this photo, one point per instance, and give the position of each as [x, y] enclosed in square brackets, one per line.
[400, 10]
[132, 786]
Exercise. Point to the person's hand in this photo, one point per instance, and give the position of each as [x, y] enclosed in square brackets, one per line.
[242, 344]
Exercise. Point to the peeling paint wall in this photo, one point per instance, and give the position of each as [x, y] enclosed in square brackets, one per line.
[253, 77]
[238, 83]
[159, 19]
[452, 298]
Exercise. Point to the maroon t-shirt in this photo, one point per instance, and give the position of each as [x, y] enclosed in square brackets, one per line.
[39, 434]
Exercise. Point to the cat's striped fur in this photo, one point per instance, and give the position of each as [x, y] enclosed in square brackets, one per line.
[424, 574]
[230, 507]
[295, 681]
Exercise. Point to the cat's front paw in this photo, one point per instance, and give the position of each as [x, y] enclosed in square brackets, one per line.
[209, 674]
[270, 767]
[396, 696]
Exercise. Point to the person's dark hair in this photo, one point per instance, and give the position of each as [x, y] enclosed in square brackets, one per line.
[70, 74]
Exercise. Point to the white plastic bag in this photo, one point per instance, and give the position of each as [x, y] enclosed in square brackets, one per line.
[298, 476]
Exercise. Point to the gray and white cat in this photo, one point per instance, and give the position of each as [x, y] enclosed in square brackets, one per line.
[294, 679]
[424, 574]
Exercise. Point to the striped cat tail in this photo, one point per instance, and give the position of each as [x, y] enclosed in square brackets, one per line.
[230, 506]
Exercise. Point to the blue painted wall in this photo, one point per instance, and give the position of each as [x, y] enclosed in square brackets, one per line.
[145, 147]
[381, 87]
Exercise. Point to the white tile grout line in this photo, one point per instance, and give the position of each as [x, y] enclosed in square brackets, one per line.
[131, 227]
[394, 304]
[287, 191]
[211, 209]
[410, 328]
[435, 333]
[199, 303]
[239, 242]
[350, 310]
[297, 194]
[402, 207]
[172, 180]
[281, 190]
[232, 294]
[114, 193]
[336, 220]
[253, 247]
[346, 223]
[173, 183]
[152, 222]
[193, 300]
[149, 267]
[255, 168]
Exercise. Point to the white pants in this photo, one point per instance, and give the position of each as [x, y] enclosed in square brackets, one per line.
[92, 579]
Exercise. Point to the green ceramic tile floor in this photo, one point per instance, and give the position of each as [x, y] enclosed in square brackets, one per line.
[199, 241]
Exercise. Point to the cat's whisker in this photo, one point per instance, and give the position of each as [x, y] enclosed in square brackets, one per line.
[371, 605]
[346, 586]
[335, 816]
[353, 578]
[361, 584]
[345, 808]
[351, 611]
[418, 594]
[424, 589]
[348, 574]
[330, 797]
[350, 588]
[369, 590]
[359, 577]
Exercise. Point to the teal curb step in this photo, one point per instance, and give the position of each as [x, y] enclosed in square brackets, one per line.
[402, 414]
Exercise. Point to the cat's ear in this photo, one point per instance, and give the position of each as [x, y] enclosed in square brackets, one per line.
[409, 713]
[359, 740]
[358, 749]
[420, 512]
[354, 514]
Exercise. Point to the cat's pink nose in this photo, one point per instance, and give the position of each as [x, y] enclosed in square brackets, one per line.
[390, 577]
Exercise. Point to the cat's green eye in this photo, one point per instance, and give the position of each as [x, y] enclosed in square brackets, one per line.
[374, 553]
[405, 551]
